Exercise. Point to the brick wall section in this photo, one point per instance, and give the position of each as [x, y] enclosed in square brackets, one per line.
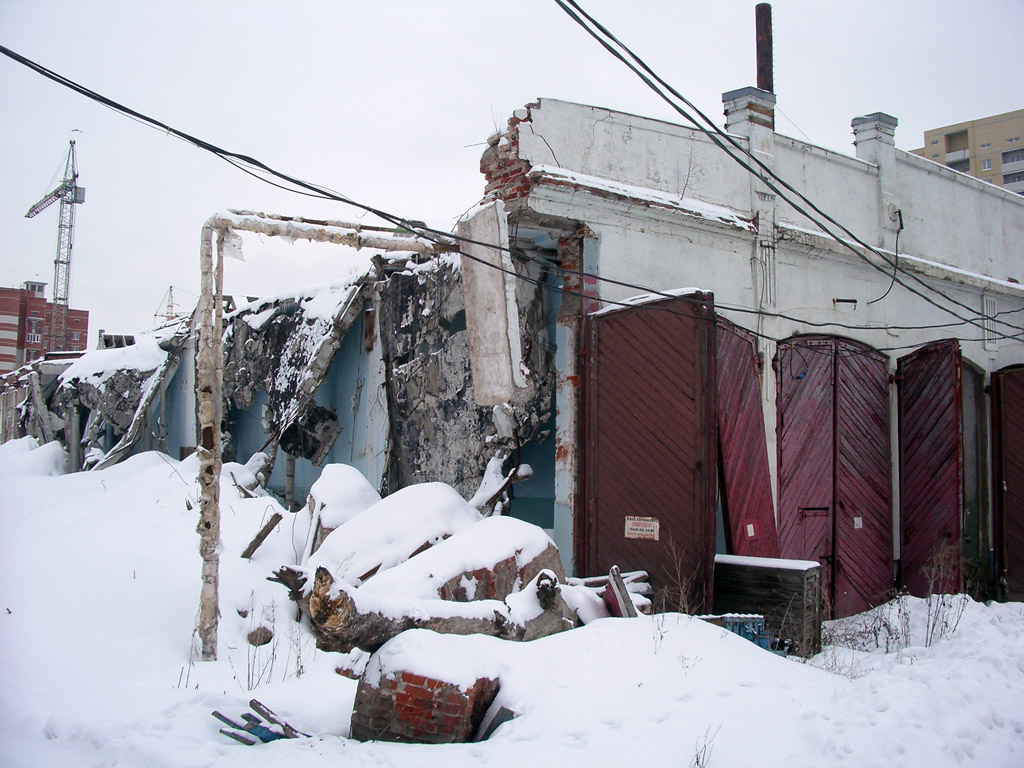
[504, 172]
[412, 708]
[498, 581]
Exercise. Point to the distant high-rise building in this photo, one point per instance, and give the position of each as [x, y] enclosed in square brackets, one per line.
[991, 149]
[25, 321]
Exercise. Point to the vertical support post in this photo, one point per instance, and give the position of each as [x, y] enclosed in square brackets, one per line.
[209, 372]
[161, 424]
[73, 437]
[39, 406]
[289, 482]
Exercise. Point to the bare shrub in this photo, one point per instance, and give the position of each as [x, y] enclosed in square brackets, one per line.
[885, 627]
[703, 747]
[680, 592]
[944, 610]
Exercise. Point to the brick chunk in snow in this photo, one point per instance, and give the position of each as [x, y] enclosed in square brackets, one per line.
[405, 706]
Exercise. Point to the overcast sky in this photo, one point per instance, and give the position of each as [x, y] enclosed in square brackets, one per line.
[390, 103]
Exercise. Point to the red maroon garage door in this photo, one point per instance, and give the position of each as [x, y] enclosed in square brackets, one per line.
[650, 444]
[746, 491]
[835, 470]
[931, 469]
[1008, 427]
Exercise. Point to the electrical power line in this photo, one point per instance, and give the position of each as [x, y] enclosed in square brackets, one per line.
[602, 35]
[260, 171]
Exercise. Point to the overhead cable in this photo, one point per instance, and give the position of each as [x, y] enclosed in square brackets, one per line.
[602, 35]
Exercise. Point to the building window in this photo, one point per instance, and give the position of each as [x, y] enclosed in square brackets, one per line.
[986, 165]
[1014, 140]
[75, 336]
[986, 145]
[1013, 156]
[935, 154]
[935, 141]
[1013, 178]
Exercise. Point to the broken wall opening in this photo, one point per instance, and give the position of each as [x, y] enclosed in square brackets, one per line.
[438, 429]
[352, 393]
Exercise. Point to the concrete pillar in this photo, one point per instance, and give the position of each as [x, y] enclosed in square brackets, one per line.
[750, 112]
[874, 137]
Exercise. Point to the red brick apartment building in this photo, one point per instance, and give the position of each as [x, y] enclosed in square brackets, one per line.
[25, 317]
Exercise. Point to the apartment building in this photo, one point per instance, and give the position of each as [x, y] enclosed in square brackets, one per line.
[991, 149]
[25, 320]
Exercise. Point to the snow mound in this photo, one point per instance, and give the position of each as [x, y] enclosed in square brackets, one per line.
[100, 577]
[340, 494]
[26, 457]
[480, 546]
[392, 531]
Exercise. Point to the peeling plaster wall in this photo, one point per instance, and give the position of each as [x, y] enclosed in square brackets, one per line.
[438, 433]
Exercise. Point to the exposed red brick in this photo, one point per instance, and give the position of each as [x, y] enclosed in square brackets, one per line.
[407, 706]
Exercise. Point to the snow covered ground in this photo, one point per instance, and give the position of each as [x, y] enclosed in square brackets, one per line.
[99, 580]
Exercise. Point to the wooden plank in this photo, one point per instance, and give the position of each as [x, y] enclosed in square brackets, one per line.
[931, 466]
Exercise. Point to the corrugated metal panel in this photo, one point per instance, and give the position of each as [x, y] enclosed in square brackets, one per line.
[650, 438]
[747, 492]
[863, 525]
[806, 439]
[931, 467]
[1008, 389]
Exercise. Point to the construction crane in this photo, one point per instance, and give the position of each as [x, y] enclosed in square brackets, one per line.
[70, 195]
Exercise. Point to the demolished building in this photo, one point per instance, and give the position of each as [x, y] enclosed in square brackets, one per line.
[785, 406]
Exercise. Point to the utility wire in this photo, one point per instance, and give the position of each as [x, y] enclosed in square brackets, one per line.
[716, 135]
[259, 170]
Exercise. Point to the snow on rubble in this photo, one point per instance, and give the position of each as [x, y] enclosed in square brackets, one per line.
[389, 532]
[99, 573]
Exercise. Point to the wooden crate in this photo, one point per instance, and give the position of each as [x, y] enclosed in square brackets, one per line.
[786, 592]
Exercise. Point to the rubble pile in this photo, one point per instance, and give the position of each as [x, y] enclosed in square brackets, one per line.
[424, 559]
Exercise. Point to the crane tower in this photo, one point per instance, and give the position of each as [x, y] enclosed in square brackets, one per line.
[70, 195]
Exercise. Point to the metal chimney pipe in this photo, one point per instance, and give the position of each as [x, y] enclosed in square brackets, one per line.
[765, 73]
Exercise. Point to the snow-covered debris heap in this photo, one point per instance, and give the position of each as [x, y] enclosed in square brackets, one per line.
[336, 497]
[118, 388]
[422, 557]
[415, 690]
[284, 345]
